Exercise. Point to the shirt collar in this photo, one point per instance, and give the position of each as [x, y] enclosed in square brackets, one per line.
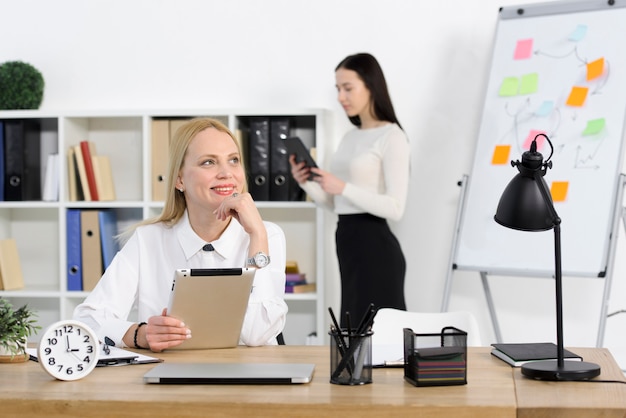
[191, 243]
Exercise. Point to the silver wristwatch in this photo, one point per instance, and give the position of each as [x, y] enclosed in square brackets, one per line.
[259, 260]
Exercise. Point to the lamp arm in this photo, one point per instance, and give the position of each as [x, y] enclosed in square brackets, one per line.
[558, 274]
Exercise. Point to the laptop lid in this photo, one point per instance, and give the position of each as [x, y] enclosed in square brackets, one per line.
[212, 303]
[230, 373]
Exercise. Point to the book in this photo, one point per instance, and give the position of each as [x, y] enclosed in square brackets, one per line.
[11, 277]
[301, 288]
[74, 260]
[516, 354]
[104, 177]
[295, 278]
[88, 150]
[82, 182]
[291, 266]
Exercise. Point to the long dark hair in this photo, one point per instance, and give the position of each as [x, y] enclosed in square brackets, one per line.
[368, 68]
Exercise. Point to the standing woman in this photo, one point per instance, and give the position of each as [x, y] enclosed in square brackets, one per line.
[366, 186]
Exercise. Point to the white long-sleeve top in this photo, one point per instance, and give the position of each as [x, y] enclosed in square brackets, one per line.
[142, 271]
[374, 163]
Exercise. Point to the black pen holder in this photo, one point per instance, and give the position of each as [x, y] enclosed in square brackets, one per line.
[350, 358]
[435, 359]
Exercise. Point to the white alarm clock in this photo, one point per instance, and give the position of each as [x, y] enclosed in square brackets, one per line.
[68, 350]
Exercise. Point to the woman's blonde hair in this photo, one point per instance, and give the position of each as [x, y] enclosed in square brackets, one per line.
[175, 204]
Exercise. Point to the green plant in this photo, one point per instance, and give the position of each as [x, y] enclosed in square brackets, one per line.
[16, 325]
[21, 86]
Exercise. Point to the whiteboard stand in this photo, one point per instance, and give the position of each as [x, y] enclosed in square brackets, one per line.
[619, 214]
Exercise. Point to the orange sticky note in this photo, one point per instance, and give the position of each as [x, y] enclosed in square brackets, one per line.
[595, 69]
[577, 96]
[558, 190]
[501, 154]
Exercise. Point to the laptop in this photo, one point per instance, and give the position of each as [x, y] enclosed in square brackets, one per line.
[231, 373]
[212, 303]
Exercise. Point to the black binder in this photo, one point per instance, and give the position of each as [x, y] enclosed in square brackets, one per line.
[280, 172]
[31, 182]
[13, 159]
[259, 158]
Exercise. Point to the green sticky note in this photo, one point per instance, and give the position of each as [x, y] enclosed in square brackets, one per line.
[509, 86]
[594, 126]
[529, 83]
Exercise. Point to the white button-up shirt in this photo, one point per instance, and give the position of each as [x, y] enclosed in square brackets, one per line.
[140, 276]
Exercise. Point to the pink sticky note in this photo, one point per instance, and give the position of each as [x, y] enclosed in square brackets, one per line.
[524, 49]
[531, 135]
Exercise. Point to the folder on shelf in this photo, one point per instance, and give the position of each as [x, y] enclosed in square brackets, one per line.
[82, 182]
[108, 235]
[49, 146]
[74, 262]
[88, 150]
[73, 188]
[259, 158]
[11, 277]
[31, 187]
[280, 172]
[159, 154]
[91, 248]
[13, 159]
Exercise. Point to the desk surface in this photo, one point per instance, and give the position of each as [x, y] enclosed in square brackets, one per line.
[494, 389]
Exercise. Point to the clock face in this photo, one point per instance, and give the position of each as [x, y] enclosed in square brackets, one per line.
[68, 350]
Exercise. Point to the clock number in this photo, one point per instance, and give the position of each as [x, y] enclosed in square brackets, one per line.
[90, 348]
[51, 361]
[69, 371]
[86, 339]
[52, 341]
[87, 359]
[47, 351]
[80, 367]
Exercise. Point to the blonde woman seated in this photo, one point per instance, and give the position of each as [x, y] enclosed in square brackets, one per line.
[206, 203]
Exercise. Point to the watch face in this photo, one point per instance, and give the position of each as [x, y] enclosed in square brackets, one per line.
[68, 350]
[261, 260]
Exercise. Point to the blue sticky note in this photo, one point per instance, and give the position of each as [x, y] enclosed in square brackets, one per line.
[579, 33]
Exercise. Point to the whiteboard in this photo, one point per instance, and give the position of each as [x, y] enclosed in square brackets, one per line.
[557, 68]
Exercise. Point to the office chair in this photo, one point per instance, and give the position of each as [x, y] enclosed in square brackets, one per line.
[389, 323]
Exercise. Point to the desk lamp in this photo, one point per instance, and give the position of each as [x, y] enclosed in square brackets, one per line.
[526, 205]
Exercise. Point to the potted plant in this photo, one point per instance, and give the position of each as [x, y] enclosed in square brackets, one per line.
[21, 86]
[16, 325]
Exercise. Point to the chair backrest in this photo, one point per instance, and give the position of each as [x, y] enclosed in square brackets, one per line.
[389, 323]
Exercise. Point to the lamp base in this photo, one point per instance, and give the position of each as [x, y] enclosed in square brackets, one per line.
[550, 370]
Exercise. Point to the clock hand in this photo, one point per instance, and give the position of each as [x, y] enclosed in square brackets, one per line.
[67, 343]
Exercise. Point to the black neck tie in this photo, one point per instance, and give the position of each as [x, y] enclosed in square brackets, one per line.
[208, 247]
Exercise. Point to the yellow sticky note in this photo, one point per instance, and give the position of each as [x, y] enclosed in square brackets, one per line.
[529, 83]
[595, 69]
[558, 190]
[577, 96]
[509, 86]
[501, 154]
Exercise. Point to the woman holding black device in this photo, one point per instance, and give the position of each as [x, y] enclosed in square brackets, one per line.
[366, 186]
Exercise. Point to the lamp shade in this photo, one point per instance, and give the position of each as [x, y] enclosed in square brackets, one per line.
[522, 205]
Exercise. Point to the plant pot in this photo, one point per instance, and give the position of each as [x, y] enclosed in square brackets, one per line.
[7, 356]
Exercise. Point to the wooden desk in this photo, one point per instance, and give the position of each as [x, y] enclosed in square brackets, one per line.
[494, 390]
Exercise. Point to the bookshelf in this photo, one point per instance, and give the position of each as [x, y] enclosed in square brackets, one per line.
[39, 227]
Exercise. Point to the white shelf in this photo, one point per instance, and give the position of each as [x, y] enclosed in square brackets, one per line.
[125, 136]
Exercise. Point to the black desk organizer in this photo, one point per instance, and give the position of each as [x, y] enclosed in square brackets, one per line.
[435, 359]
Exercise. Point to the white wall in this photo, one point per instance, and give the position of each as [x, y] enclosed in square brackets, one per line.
[160, 54]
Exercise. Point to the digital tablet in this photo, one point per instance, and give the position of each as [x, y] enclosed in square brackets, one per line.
[212, 303]
[297, 147]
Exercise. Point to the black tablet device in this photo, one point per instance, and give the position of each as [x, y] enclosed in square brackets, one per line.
[297, 147]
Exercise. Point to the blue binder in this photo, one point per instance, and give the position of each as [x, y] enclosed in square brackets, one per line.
[74, 260]
[108, 231]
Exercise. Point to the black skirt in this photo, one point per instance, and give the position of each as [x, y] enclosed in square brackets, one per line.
[371, 265]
